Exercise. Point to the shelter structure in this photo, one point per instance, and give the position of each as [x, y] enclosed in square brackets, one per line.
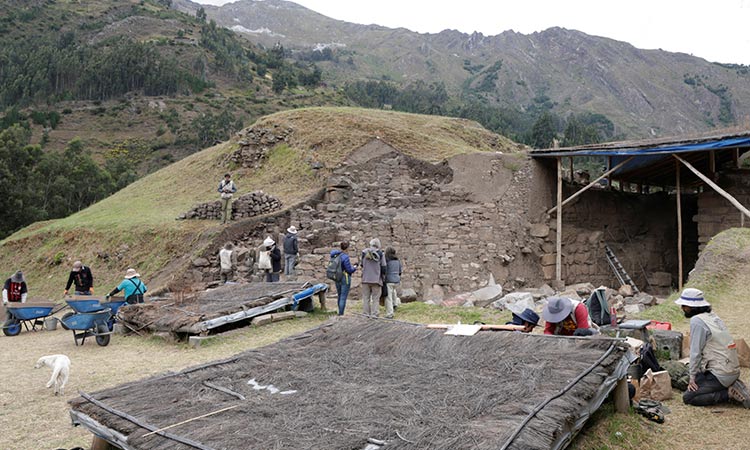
[706, 167]
[201, 313]
[362, 383]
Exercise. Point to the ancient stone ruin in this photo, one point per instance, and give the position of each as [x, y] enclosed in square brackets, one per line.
[248, 205]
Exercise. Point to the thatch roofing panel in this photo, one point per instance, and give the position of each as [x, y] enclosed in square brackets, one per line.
[358, 379]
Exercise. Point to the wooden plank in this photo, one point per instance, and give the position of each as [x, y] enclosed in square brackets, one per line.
[558, 232]
[592, 184]
[715, 187]
[445, 326]
[679, 225]
[622, 399]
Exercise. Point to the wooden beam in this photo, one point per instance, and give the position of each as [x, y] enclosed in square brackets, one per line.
[558, 232]
[715, 187]
[609, 179]
[712, 163]
[571, 169]
[679, 225]
[592, 184]
[736, 157]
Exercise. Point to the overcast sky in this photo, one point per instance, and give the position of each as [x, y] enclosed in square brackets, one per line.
[717, 30]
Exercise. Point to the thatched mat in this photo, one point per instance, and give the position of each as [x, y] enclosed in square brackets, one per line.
[361, 378]
[176, 315]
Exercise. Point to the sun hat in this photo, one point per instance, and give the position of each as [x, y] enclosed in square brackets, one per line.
[17, 277]
[131, 273]
[557, 309]
[529, 316]
[292, 229]
[77, 266]
[692, 297]
[268, 242]
[375, 242]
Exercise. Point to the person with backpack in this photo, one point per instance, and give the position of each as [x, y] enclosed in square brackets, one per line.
[270, 260]
[373, 266]
[714, 364]
[340, 270]
[132, 286]
[291, 251]
[393, 270]
[567, 317]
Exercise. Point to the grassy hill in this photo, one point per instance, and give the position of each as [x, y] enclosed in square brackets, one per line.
[136, 227]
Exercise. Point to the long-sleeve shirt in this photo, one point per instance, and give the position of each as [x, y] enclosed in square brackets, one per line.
[581, 321]
[83, 279]
[346, 264]
[275, 260]
[14, 292]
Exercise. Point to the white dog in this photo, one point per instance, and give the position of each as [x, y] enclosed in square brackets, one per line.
[60, 365]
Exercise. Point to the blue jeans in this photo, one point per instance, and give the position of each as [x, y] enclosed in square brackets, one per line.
[342, 291]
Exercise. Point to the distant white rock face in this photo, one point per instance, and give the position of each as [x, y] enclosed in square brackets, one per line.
[263, 30]
[319, 47]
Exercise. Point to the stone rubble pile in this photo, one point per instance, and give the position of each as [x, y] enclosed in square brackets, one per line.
[256, 142]
[248, 205]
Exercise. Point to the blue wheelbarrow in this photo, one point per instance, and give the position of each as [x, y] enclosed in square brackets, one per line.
[23, 314]
[90, 318]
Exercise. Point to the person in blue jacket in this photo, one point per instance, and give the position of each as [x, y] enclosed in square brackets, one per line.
[343, 285]
[132, 286]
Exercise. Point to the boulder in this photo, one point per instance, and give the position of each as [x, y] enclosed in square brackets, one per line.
[201, 262]
[435, 295]
[515, 302]
[634, 309]
[539, 230]
[626, 290]
[582, 289]
[645, 299]
[486, 295]
[408, 295]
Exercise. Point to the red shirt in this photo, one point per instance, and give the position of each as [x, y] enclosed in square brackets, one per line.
[568, 326]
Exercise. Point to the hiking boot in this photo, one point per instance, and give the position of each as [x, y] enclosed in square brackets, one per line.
[738, 392]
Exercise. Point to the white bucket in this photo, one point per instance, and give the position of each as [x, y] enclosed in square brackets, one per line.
[50, 323]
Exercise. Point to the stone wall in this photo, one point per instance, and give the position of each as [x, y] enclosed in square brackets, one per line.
[453, 223]
[715, 213]
[248, 205]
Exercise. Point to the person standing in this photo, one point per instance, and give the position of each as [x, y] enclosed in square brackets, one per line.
[393, 270]
[714, 365]
[14, 291]
[372, 261]
[132, 286]
[347, 269]
[83, 279]
[226, 189]
[227, 262]
[291, 251]
[274, 254]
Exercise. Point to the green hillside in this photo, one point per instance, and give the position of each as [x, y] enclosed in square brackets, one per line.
[136, 227]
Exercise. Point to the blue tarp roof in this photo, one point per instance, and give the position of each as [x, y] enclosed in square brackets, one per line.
[719, 144]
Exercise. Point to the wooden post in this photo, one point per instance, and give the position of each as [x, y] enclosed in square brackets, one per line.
[609, 179]
[679, 225]
[622, 399]
[558, 243]
[712, 163]
[714, 186]
[736, 157]
[322, 298]
[571, 169]
[98, 443]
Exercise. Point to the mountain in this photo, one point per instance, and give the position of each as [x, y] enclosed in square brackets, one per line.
[643, 92]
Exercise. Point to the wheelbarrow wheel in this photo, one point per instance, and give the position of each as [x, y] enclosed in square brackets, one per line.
[12, 327]
[102, 340]
[65, 316]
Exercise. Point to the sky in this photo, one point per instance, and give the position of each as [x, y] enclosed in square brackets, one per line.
[715, 30]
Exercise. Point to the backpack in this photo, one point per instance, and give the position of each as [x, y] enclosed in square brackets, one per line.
[335, 270]
[372, 255]
[598, 307]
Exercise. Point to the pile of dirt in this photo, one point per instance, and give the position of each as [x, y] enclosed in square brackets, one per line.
[726, 254]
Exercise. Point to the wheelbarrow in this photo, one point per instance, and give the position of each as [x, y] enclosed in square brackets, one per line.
[89, 304]
[86, 324]
[23, 314]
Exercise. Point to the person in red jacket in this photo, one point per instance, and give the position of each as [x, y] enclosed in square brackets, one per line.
[14, 290]
[566, 317]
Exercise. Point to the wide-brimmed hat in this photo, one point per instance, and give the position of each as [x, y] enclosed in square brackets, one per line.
[530, 316]
[269, 242]
[292, 229]
[17, 277]
[557, 309]
[77, 266]
[375, 242]
[131, 273]
[693, 298]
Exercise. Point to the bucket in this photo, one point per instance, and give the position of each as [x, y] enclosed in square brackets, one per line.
[50, 323]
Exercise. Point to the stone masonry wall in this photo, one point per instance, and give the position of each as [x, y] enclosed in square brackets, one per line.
[715, 213]
[248, 205]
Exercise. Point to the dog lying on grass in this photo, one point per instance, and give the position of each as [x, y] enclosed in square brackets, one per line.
[60, 365]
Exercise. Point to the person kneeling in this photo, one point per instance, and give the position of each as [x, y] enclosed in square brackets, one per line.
[714, 365]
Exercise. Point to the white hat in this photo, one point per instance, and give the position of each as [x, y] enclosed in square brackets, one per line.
[292, 229]
[131, 273]
[693, 298]
[269, 242]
